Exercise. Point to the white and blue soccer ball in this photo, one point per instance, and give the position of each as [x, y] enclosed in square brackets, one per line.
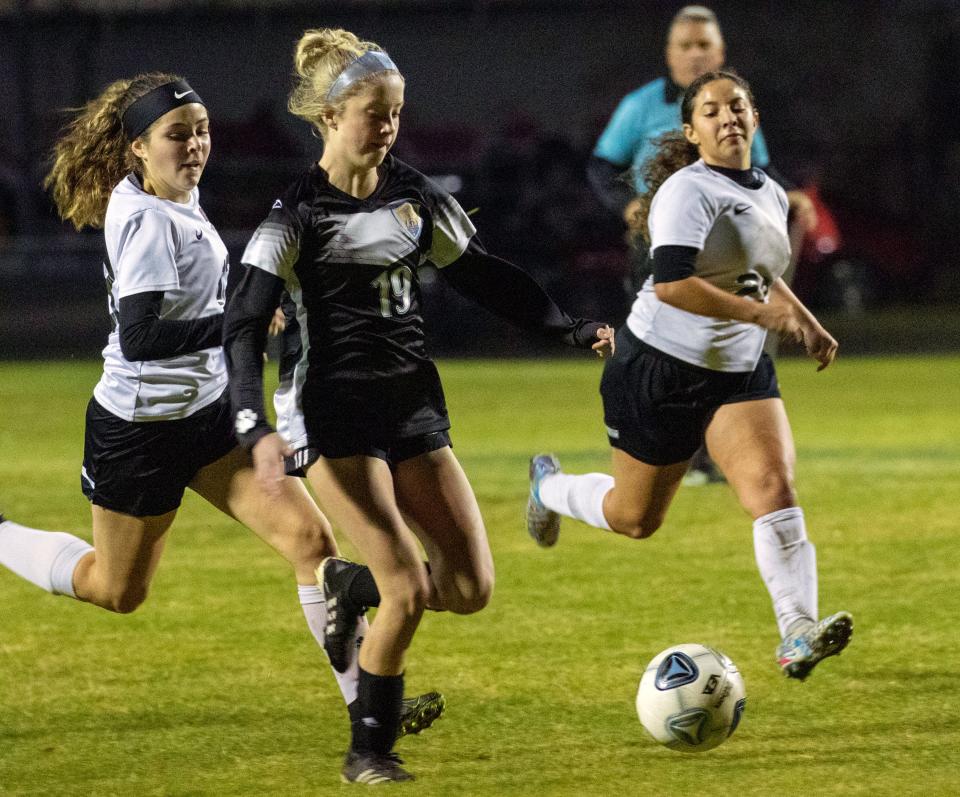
[691, 698]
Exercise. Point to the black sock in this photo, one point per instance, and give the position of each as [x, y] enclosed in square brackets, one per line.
[375, 714]
[362, 588]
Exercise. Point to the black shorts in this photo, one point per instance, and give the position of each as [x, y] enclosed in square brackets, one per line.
[141, 468]
[657, 407]
[393, 418]
[392, 452]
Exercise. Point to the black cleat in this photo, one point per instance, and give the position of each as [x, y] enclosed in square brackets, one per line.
[334, 576]
[419, 713]
[373, 768]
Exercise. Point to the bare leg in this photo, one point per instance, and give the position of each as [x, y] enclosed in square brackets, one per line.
[641, 494]
[358, 493]
[291, 524]
[752, 443]
[127, 551]
[434, 491]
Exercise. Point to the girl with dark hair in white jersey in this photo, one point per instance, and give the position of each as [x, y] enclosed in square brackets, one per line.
[159, 420]
[689, 365]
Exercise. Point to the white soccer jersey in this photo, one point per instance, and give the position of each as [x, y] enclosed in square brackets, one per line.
[154, 244]
[742, 237]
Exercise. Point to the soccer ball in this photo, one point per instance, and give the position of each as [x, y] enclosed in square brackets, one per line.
[691, 698]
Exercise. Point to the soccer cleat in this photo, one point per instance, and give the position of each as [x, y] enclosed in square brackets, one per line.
[799, 653]
[542, 524]
[708, 474]
[334, 576]
[702, 470]
[373, 768]
[419, 713]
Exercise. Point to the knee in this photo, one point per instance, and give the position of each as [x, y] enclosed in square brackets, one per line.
[772, 490]
[124, 600]
[468, 594]
[313, 540]
[408, 595]
[638, 527]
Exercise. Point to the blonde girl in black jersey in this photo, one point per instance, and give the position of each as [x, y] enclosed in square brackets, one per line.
[346, 241]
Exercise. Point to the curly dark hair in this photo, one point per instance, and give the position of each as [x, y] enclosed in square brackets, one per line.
[673, 150]
[93, 154]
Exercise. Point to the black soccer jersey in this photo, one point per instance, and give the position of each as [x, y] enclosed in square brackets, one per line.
[351, 268]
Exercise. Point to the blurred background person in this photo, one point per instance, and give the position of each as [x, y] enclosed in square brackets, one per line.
[694, 47]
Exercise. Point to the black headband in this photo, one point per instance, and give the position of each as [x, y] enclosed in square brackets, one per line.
[154, 104]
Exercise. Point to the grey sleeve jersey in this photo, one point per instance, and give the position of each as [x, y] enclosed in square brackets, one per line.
[741, 235]
[158, 245]
[452, 230]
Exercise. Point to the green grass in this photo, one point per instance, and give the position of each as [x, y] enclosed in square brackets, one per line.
[214, 687]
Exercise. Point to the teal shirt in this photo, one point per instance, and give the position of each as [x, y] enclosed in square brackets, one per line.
[642, 116]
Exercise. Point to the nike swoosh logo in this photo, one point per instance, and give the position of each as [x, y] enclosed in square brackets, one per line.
[740, 209]
[179, 96]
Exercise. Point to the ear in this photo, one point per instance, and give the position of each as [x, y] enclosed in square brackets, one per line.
[691, 135]
[138, 148]
[329, 118]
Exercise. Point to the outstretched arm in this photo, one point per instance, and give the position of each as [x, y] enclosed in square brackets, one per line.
[515, 296]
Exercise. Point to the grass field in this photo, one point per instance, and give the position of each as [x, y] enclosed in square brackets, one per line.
[215, 687]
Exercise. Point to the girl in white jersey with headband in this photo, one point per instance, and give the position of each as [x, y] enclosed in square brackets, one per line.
[159, 420]
[689, 365]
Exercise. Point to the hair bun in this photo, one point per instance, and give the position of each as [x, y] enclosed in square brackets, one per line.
[317, 44]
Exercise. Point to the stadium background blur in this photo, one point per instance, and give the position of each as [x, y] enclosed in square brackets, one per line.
[505, 99]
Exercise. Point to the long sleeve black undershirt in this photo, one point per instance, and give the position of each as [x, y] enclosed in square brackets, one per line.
[515, 296]
[146, 336]
[244, 337]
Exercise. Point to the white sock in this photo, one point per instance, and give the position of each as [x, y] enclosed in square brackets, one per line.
[788, 565]
[44, 558]
[579, 497]
[315, 610]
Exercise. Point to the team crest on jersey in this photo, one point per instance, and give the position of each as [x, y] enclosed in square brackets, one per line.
[409, 219]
